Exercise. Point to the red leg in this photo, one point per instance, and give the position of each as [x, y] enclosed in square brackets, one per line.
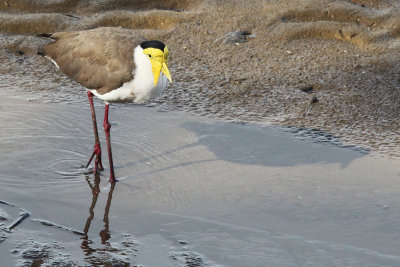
[107, 127]
[98, 166]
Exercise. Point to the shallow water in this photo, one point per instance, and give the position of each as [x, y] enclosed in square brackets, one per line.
[192, 192]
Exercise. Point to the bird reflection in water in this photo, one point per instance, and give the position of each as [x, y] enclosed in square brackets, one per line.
[105, 232]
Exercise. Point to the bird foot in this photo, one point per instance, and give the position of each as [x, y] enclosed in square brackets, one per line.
[98, 166]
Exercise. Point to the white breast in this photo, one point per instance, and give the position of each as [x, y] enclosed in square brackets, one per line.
[141, 88]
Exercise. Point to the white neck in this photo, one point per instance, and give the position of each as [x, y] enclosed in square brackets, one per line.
[143, 83]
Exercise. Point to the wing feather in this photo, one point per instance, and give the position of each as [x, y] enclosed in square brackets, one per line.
[100, 59]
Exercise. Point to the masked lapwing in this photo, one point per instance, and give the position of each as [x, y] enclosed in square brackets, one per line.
[115, 65]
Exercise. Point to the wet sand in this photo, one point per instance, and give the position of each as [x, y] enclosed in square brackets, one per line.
[193, 191]
[266, 176]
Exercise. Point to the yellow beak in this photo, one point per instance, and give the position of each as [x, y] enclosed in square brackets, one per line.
[159, 67]
[165, 70]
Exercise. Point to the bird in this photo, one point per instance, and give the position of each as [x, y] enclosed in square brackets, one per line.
[113, 64]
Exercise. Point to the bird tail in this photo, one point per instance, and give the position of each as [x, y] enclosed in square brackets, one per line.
[41, 50]
[45, 35]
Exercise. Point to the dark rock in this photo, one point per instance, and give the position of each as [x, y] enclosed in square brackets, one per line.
[235, 37]
[307, 89]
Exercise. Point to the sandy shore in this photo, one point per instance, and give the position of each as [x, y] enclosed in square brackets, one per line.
[191, 190]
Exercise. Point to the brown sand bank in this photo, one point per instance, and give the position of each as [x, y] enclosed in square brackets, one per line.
[329, 65]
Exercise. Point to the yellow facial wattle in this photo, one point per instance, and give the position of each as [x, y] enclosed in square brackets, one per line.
[159, 62]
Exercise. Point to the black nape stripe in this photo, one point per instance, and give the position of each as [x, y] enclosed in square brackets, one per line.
[153, 44]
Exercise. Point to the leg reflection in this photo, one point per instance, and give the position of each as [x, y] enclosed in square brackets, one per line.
[95, 192]
[105, 232]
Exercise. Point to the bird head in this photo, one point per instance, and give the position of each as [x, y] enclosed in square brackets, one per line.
[157, 53]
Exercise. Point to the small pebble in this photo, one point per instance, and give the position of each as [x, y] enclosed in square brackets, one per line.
[314, 99]
[19, 52]
[307, 89]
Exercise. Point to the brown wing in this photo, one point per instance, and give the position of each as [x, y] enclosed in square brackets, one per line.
[100, 59]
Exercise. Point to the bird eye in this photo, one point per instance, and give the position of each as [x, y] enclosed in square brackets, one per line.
[149, 55]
